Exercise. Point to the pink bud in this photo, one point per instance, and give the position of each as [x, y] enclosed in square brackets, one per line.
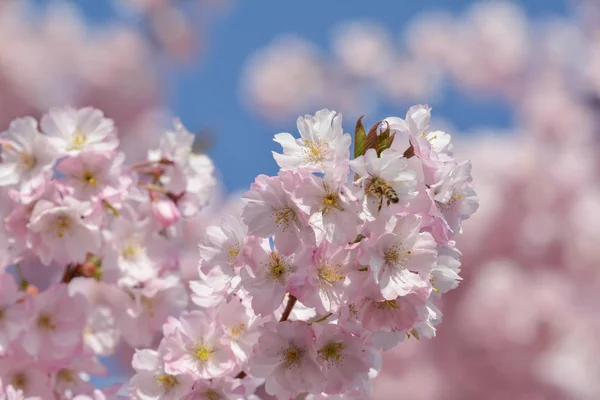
[165, 212]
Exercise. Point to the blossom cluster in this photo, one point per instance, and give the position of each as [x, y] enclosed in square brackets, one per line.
[326, 265]
[89, 247]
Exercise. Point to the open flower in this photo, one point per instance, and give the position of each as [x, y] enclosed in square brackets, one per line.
[195, 344]
[286, 357]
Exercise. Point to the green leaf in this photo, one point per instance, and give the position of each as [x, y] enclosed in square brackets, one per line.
[360, 138]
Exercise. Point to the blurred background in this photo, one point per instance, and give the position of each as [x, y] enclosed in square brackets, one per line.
[517, 84]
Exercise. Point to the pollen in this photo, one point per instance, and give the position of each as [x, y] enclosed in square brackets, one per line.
[19, 380]
[131, 250]
[44, 322]
[66, 375]
[28, 161]
[396, 255]
[89, 178]
[1, 314]
[277, 269]
[78, 140]
[234, 251]
[203, 353]
[450, 203]
[168, 382]
[386, 305]
[332, 352]
[314, 150]
[330, 274]
[292, 356]
[237, 330]
[63, 223]
[283, 216]
[212, 395]
[330, 201]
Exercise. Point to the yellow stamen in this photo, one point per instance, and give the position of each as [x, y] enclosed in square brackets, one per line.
[331, 351]
[168, 382]
[203, 353]
[45, 322]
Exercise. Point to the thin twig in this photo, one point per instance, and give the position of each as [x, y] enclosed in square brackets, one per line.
[288, 308]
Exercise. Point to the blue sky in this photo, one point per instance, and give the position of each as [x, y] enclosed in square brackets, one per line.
[205, 94]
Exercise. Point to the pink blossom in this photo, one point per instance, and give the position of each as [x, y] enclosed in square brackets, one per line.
[241, 327]
[322, 147]
[15, 309]
[397, 315]
[391, 169]
[343, 357]
[270, 275]
[150, 307]
[286, 357]
[55, 333]
[27, 157]
[398, 255]
[60, 233]
[152, 382]
[22, 372]
[93, 175]
[195, 344]
[221, 388]
[165, 212]
[271, 210]
[73, 131]
[454, 194]
[222, 245]
[334, 209]
[329, 278]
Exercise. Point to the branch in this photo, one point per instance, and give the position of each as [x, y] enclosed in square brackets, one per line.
[288, 308]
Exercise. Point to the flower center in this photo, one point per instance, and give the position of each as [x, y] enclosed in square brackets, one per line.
[212, 395]
[450, 203]
[314, 150]
[278, 269]
[236, 331]
[148, 305]
[89, 178]
[78, 140]
[283, 215]
[330, 200]
[330, 274]
[1, 314]
[386, 305]
[234, 251]
[292, 356]
[66, 375]
[331, 351]
[63, 223]
[203, 353]
[44, 322]
[167, 381]
[131, 250]
[28, 161]
[396, 255]
[19, 381]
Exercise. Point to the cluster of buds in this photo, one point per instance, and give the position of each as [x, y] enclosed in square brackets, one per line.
[89, 248]
[327, 264]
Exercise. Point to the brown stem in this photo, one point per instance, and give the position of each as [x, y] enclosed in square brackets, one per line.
[68, 275]
[288, 308]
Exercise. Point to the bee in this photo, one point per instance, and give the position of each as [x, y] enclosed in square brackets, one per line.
[381, 189]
